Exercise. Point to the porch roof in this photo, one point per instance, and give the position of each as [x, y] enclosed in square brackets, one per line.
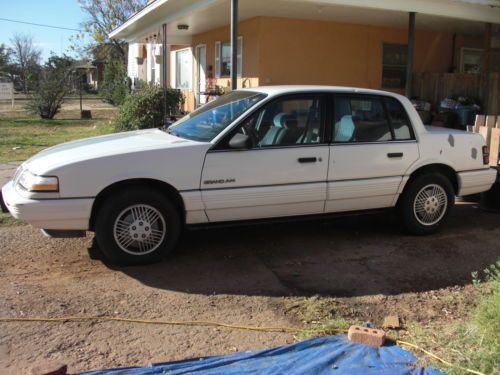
[202, 15]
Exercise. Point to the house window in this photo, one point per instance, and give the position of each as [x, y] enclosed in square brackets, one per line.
[223, 58]
[470, 60]
[394, 60]
[183, 69]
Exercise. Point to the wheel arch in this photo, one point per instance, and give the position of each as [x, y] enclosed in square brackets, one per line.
[443, 169]
[161, 186]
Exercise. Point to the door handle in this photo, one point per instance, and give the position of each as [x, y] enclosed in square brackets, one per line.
[307, 160]
[395, 155]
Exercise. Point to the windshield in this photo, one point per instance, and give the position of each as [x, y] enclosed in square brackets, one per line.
[204, 124]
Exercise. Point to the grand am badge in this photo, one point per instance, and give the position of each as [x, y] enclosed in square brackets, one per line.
[219, 182]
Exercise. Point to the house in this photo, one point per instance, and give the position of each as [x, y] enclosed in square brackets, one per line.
[430, 48]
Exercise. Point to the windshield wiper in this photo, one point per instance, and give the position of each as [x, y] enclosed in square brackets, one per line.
[170, 131]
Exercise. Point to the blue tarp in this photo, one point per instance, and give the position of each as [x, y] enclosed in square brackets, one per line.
[323, 355]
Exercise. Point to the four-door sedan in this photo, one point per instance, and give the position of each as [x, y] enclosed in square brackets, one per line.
[269, 152]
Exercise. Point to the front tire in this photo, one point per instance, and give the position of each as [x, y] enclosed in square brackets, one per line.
[426, 203]
[137, 226]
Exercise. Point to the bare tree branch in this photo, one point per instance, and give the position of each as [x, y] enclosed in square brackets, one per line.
[26, 56]
[106, 15]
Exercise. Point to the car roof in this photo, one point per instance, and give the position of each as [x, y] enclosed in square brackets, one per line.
[290, 89]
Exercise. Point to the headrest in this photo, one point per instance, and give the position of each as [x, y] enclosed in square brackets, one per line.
[279, 120]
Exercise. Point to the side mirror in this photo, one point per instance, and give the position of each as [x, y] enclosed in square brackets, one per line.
[240, 142]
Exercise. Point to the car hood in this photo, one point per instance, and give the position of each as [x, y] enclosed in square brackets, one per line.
[101, 147]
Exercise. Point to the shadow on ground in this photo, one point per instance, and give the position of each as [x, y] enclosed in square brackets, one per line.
[350, 256]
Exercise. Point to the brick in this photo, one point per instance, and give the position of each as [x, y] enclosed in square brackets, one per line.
[392, 322]
[368, 336]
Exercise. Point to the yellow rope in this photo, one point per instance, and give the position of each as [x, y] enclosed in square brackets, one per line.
[449, 364]
[217, 324]
[145, 321]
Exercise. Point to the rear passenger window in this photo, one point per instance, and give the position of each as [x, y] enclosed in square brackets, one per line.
[360, 120]
[399, 120]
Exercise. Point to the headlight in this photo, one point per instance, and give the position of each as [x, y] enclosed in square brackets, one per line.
[33, 183]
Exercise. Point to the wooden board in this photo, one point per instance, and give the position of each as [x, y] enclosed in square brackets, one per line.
[480, 121]
[490, 121]
[494, 147]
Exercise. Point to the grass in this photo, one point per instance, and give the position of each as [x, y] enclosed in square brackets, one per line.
[474, 342]
[8, 221]
[330, 327]
[470, 342]
[20, 138]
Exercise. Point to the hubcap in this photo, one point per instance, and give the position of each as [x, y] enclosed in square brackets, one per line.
[139, 229]
[430, 205]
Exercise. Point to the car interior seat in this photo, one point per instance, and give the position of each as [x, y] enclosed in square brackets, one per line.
[276, 132]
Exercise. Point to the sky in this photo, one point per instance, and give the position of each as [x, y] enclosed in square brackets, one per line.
[63, 13]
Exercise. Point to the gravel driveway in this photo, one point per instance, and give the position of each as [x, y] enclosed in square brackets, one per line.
[363, 267]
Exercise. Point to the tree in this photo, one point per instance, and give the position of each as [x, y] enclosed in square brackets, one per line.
[54, 84]
[5, 66]
[105, 16]
[26, 58]
[115, 85]
[4, 58]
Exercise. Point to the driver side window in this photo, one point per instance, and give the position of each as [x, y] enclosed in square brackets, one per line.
[289, 121]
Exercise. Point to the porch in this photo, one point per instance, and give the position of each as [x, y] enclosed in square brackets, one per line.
[206, 48]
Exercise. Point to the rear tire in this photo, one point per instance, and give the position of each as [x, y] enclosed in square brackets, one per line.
[426, 203]
[137, 226]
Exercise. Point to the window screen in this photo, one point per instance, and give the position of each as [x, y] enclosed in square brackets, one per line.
[394, 60]
[183, 69]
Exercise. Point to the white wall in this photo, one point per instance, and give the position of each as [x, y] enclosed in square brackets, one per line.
[132, 68]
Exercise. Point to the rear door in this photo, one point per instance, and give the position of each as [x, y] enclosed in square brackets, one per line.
[373, 147]
[283, 174]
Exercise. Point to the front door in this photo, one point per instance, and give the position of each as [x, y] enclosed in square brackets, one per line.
[201, 77]
[284, 172]
[373, 147]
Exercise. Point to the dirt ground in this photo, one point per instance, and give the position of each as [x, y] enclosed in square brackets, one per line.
[358, 268]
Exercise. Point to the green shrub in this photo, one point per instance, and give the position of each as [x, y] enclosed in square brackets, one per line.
[53, 85]
[143, 109]
[116, 85]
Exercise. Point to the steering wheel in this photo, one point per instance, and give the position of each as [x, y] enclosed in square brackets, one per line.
[252, 133]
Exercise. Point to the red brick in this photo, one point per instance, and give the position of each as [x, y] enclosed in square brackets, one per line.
[365, 335]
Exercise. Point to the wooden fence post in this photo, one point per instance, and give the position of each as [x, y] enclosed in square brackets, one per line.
[494, 147]
[480, 121]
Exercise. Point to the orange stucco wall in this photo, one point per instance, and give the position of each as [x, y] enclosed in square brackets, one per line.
[296, 51]
[313, 52]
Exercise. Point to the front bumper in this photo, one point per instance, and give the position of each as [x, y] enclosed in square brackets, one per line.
[55, 214]
[475, 182]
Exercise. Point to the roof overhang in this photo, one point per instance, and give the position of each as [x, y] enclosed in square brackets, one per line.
[150, 19]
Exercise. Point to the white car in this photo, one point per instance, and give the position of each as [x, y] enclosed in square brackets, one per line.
[269, 152]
